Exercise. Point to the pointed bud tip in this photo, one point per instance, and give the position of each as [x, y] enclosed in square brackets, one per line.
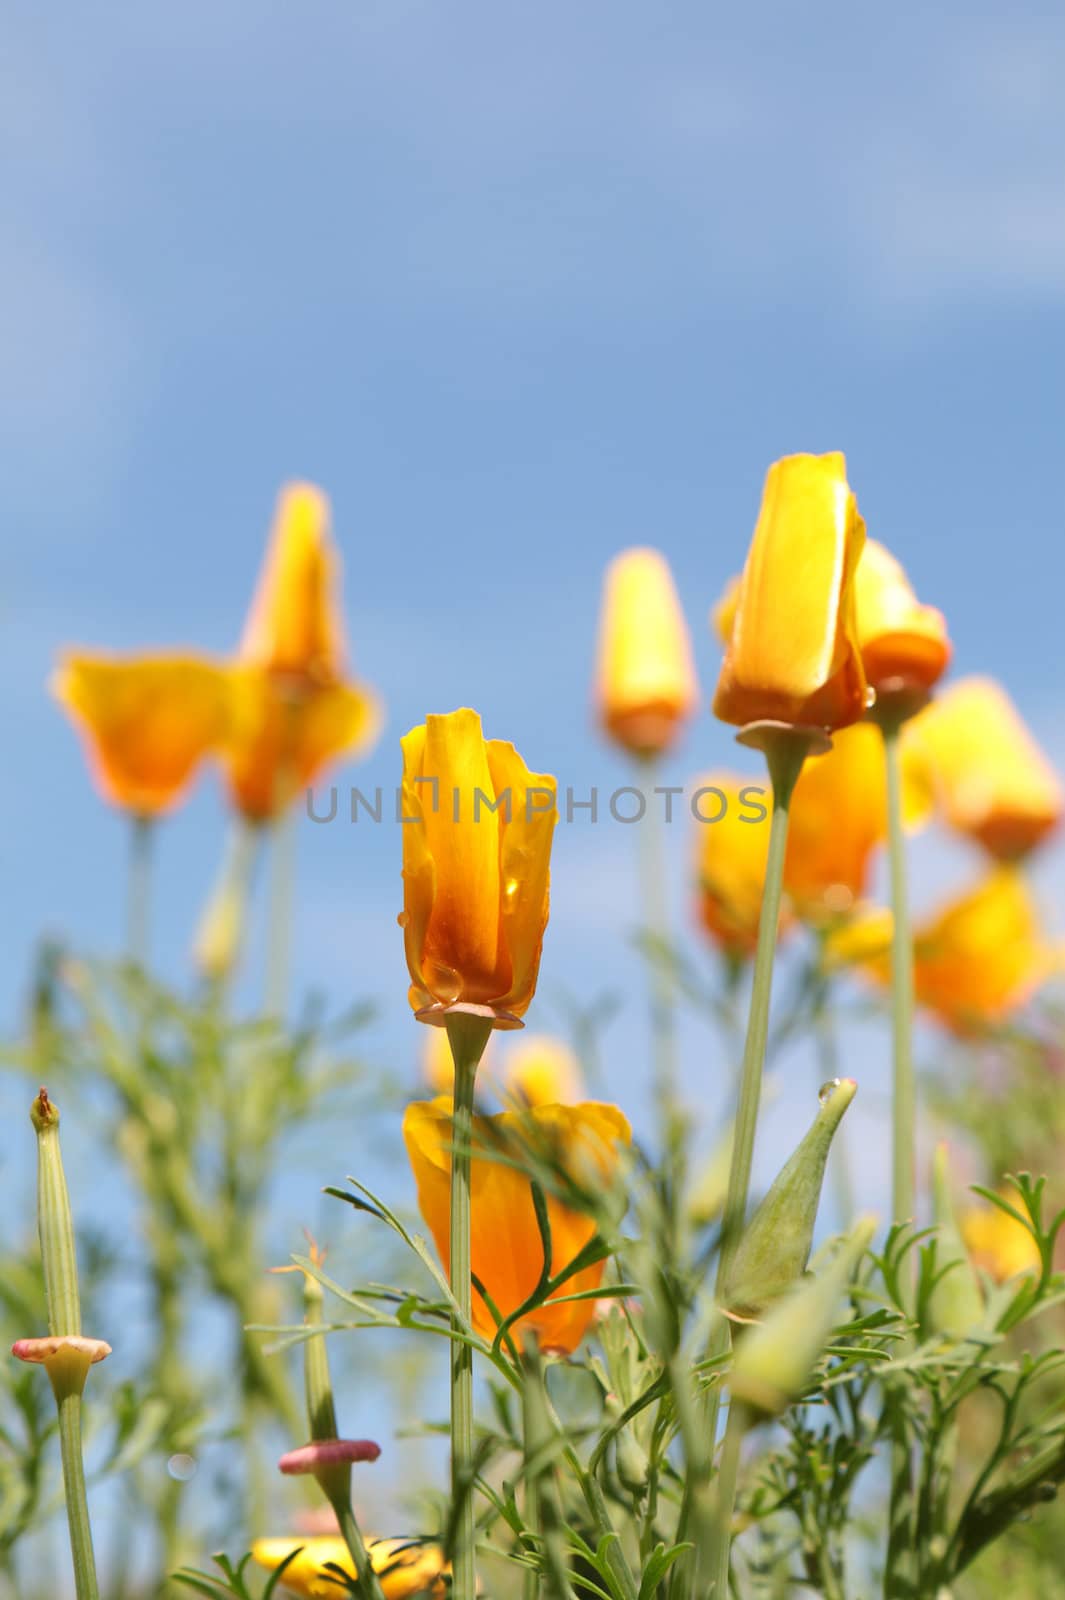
[44, 1113]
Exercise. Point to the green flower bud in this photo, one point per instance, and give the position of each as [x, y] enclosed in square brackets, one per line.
[775, 1246]
[775, 1360]
[956, 1304]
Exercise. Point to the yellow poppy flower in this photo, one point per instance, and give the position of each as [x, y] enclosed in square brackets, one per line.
[976, 962]
[792, 654]
[292, 710]
[730, 859]
[987, 772]
[408, 1570]
[904, 644]
[147, 722]
[997, 1242]
[506, 1250]
[476, 865]
[294, 625]
[541, 1071]
[646, 682]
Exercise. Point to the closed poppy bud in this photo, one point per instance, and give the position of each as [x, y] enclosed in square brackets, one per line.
[986, 771]
[731, 847]
[904, 644]
[792, 654]
[294, 626]
[406, 1569]
[775, 1360]
[955, 1305]
[838, 819]
[476, 858]
[775, 1245]
[541, 1071]
[147, 722]
[292, 708]
[646, 687]
[999, 1243]
[582, 1143]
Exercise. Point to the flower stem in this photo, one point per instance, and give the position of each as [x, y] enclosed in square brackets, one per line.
[900, 1554]
[282, 890]
[654, 880]
[369, 1583]
[727, 1479]
[467, 1036]
[77, 1501]
[785, 753]
[904, 1097]
[138, 902]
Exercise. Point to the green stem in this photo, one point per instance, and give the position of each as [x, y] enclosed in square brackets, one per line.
[725, 1505]
[654, 881]
[369, 1583]
[905, 1114]
[282, 894]
[828, 1070]
[77, 1501]
[785, 753]
[468, 1036]
[138, 903]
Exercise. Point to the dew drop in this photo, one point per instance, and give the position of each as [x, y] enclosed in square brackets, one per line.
[827, 1090]
[182, 1467]
[870, 696]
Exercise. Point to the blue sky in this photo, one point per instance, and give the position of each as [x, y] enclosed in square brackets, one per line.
[519, 287]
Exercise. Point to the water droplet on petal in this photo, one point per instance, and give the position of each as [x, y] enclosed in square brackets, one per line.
[827, 1090]
[870, 696]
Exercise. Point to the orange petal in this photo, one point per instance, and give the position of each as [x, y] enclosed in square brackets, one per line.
[295, 626]
[793, 651]
[147, 722]
[646, 680]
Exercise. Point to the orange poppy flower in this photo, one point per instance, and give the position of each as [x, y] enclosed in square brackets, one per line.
[792, 654]
[506, 1248]
[147, 722]
[476, 867]
[646, 684]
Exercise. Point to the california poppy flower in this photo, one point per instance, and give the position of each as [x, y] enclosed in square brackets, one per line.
[904, 644]
[407, 1568]
[730, 860]
[792, 654]
[476, 865]
[506, 1248]
[646, 688]
[293, 709]
[985, 770]
[147, 722]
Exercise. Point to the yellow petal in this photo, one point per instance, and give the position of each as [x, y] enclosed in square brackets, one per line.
[476, 863]
[900, 639]
[407, 1569]
[506, 1250]
[540, 1071]
[282, 736]
[793, 651]
[997, 1243]
[989, 776]
[526, 836]
[147, 722]
[646, 681]
[730, 860]
[838, 819]
[295, 626]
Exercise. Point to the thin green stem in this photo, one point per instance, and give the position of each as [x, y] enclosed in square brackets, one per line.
[725, 1500]
[904, 1101]
[282, 895]
[654, 895]
[828, 1070]
[468, 1036]
[77, 1501]
[139, 890]
[785, 754]
[369, 1583]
